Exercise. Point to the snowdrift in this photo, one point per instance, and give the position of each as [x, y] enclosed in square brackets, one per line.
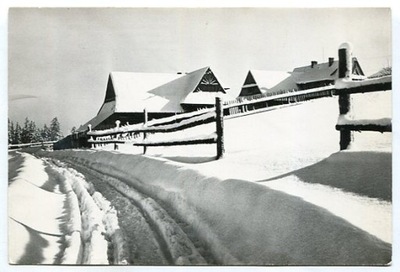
[34, 227]
[242, 222]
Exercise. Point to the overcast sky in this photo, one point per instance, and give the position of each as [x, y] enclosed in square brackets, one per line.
[59, 59]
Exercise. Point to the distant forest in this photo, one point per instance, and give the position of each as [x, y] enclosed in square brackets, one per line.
[30, 133]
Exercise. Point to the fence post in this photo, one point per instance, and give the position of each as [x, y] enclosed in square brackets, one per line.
[117, 124]
[220, 127]
[91, 137]
[345, 73]
[344, 108]
[144, 133]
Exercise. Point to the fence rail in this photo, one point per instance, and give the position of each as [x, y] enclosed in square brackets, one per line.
[36, 144]
[242, 105]
[121, 135]
[344, 89]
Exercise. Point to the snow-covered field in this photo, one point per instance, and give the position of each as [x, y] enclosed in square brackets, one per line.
[282, 194]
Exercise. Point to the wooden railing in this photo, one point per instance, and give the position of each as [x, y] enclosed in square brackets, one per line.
[263, 102]
[36, 144]
[131, 133]
[345, 124]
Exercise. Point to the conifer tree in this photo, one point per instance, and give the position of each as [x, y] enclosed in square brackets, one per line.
[55, 130]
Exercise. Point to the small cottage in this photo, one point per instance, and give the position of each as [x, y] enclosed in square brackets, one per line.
[161, 94]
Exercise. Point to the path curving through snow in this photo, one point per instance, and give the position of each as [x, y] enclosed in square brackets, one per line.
[154, 236]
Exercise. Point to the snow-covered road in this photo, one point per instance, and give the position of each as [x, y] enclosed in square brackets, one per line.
[65, 219]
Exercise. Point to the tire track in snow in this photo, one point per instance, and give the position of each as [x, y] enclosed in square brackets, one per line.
[141, 241]
[99, 227]
[175, 244]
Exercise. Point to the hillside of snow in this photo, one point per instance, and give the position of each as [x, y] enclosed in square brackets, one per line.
[282, 194]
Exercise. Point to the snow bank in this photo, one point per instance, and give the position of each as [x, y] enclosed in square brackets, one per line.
[33, 170]
[113, 232]
[372, 215]
[34, 214]
[243, 223]
[40, 209]
[95, 246]
[72, 253]
[99, 219]
[29, 247]
[73, 250]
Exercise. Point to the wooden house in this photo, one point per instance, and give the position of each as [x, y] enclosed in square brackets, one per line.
[162, 95]
[301, 78]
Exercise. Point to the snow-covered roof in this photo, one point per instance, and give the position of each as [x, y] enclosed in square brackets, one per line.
[176, 91]
[265, 80]
[286, 84]
[132, 90]
[272, 81]
[155, 92]
[106, 110]
[317, 72]
[259, 81]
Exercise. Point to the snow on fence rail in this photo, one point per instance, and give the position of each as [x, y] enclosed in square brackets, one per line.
[281, 96]
[130, 133]
[344, 88]
[14, 146]
[364, 86]
[262, 102]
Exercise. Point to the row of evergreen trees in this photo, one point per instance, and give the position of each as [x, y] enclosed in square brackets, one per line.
[30, 133]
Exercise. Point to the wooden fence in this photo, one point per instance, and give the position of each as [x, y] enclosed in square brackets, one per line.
[267, 101]
[242, 106]
[131, 133]
[345, 124]
[37, 144]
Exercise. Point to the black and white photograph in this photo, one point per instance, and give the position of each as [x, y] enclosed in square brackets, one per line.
[178, 136]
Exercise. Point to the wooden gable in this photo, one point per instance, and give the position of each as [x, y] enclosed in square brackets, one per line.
[209, 83]
[250, 86]
[357, 68]
[110, 92]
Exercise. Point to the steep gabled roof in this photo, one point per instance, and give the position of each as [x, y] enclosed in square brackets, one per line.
[157, 92]
[106, 110]
[319, 72]
[268, 79]
[285, 85]
[176, 91]
[322, 71]
[132, 90]
[260, 81]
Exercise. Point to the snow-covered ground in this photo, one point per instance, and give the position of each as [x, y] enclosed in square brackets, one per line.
[282, 194]
[53, 219]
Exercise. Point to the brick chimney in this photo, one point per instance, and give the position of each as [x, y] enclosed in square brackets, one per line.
[331, 61]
